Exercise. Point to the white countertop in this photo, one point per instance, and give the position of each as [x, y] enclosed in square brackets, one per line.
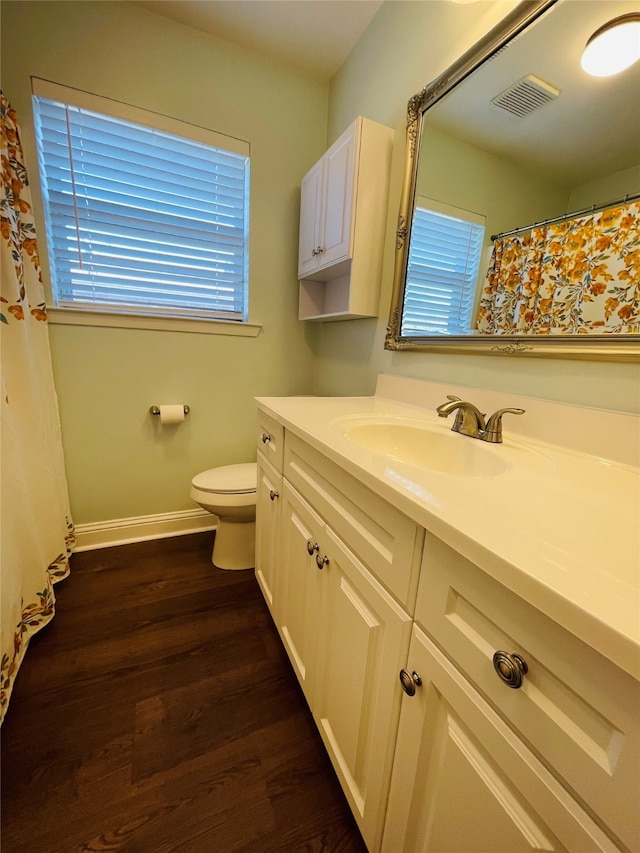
[560, 528]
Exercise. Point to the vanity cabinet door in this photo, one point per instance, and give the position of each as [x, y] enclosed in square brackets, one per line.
[463, 782]
[300, 589]
[363, 641]
[268, 502]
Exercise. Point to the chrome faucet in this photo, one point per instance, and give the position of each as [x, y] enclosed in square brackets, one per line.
[471, 421]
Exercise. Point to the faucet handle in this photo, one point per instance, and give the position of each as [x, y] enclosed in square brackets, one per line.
[493, 431]
[451, 398]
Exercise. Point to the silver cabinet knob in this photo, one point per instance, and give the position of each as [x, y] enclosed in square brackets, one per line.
[273, 495]
[321, 562]
[311, 547]
[266, 438]
[409, 681]
[510, 667]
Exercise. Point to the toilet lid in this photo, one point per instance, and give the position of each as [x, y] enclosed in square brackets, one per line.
[229, 479]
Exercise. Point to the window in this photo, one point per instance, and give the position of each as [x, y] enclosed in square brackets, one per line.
[140, 219]
[442, 273]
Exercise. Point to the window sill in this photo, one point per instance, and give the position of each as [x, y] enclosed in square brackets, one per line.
[77, 317]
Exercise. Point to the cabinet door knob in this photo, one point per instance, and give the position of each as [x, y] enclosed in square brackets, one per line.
[409, 681]
[510, 667]
[321, 562]
[273, 495]
[311, 547]
[266, 438]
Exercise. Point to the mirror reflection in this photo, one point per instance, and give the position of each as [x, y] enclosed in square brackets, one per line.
[523, 198]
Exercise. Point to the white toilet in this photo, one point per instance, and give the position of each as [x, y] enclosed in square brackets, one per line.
[230, 493]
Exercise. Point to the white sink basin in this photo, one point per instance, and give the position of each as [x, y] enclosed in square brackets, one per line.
[447, 452]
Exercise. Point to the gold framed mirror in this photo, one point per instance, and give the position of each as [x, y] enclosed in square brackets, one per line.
[516, 143]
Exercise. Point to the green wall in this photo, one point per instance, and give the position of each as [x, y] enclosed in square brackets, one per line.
[405, 47]
[120, 464]
[482, 182]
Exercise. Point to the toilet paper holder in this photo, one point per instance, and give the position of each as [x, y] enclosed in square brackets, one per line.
[155, 410]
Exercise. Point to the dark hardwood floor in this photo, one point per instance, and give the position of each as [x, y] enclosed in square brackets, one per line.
[158, 712]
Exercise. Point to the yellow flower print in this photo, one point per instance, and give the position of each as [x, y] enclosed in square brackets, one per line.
[603, 242]
[610, 216]
[625, 312]
[627, 222]
[601, 271]
[17, 311]
[30, 246]
[40, 314]
[610, 306]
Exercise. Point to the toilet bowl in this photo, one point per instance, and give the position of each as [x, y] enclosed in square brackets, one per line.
[229, 492]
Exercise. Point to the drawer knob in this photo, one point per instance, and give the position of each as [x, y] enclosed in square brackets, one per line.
[266, 438]
[409, 681]
[311, 547]
[510, 667]
[321, 562]
[273, 495]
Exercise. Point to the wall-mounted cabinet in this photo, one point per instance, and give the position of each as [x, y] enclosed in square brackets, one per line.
[343, 212]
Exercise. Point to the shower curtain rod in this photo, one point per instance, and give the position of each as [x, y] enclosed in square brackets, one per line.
[592, 209]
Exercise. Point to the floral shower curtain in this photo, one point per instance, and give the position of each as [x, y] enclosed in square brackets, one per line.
[37, 535]
[578, 276]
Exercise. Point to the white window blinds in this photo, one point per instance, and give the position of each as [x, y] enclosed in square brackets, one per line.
[442, 273]
[139, 219]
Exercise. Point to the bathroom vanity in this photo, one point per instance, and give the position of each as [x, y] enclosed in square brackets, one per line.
[463, 617]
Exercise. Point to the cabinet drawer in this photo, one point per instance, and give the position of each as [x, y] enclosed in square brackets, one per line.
[576, 709]
[270, 437]
[384, 539]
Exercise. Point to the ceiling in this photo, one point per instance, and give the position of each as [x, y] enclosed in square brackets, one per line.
[590, 130]
[592, 123]
[314, 36]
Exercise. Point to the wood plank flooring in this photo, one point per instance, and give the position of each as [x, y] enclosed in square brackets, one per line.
[158, 712]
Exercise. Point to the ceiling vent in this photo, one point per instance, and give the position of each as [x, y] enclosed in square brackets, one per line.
[525, 96]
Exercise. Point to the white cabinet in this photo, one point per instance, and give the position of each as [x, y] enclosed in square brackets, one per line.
[343, 211]
[310, 217]
[543, 757]
[467, 764]
[577, 710]
[298, 608]
[342, 614]
[463, 782]
[268, 503]
[327, 207]
[270, 440]
[346, 637]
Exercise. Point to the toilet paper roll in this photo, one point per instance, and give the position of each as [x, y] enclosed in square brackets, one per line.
[172, 413]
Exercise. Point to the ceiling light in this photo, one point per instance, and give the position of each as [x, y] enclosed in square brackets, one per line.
[613, 47]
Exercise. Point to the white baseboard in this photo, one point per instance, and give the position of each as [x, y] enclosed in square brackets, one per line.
[122, 531]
